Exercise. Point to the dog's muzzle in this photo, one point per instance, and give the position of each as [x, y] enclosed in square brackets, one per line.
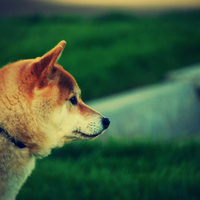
[105, 122]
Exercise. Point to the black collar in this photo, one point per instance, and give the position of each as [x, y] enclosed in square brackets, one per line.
[17, 143]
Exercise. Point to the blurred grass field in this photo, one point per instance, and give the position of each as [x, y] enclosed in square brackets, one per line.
[109, 53]
[106, 55]
[139, 170]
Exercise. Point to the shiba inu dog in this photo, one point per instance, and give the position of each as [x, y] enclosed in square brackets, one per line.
[40, 109]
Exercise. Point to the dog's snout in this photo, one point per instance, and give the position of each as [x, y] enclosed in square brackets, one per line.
[105, 122]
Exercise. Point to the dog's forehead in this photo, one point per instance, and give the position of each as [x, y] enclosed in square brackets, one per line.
[67, 82]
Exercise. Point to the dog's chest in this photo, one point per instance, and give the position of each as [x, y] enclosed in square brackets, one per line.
[15, 166]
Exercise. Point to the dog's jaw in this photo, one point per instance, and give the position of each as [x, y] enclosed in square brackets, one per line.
[84, 136]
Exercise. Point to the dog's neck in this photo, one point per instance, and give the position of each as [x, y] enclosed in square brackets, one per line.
[17, 143]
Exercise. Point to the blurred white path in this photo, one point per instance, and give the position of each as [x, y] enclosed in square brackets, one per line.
[169, 109]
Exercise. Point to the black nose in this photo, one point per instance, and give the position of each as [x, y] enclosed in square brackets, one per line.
[105, 122]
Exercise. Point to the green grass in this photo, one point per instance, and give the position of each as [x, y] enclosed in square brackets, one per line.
[137, 170]
[110, 53]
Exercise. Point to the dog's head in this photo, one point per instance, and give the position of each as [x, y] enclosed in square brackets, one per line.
[51, 110]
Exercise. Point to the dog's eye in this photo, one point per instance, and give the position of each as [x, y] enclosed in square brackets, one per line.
[73, 100]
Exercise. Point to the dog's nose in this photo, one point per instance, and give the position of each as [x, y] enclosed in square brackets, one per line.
[105, 122]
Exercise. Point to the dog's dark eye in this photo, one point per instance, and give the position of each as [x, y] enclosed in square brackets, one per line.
[73, 100]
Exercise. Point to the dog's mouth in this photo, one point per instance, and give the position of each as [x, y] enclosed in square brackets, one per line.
[86, 135]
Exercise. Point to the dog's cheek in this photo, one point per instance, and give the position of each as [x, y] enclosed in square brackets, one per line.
[60, 114]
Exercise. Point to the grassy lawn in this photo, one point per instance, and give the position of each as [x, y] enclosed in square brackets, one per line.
[135, 170]
[108, 54]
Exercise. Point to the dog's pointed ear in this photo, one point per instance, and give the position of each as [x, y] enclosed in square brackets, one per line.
[43, 68]
[50, 58]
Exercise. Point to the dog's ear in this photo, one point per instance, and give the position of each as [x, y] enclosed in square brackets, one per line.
[44, 68]
[50, 58]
